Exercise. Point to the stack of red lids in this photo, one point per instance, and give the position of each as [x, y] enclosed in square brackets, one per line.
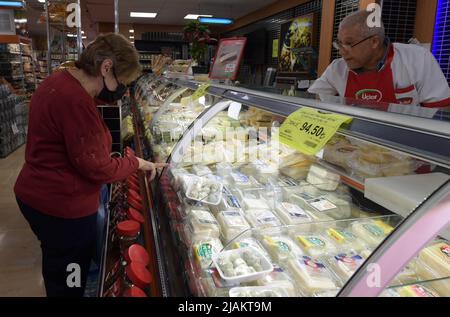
[128, 228]
[135, 215]
[135, 200]
[138, 274]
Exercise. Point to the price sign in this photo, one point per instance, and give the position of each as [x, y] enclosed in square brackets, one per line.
[308, 130]
[200, 92]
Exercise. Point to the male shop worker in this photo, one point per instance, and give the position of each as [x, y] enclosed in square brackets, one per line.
[373, 69]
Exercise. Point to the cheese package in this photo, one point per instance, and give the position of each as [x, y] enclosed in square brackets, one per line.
[372, 232]
[344, 210]
[228, 201]
[345, 239]
[437, 257]
[416, 290]
[259, 291]
[426, 274]
[244, 242]
[262, 170]
[202, 224]
[339, 151]
[204, 249]
[322, 178]
[292, 214]
[201, 170]
[281, 248]
[224, 169]
[311, 275]
[280, 278]
[315, 245]
[249, 203]
[289, 157]
[262, 218]
[319, 208]
[344, 265]
[232, 223]
[241, 180]
[297, 171]
[210, 289]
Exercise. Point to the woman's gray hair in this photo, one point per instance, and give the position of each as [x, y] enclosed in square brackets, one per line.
[359, 19]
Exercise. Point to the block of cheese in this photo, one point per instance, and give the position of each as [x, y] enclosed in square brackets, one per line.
[232, 223]
[416, 290]
[426, 274]
[323, 178]
[250, 203]
[437, 257]
[281, 248]
[241, 180]
[344, 265]
[297, 171]
[345, 239]
[343, 211]
[244, 242]
[228, 201]
[311, 275]
[315, 245]
[304, 201]
[372, 232]
[262, 218]
[278, 277]
[201, 170]
[292, 214]
[204, 249]
[202, 224]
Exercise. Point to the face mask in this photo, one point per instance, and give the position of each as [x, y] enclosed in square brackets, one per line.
[109, 96]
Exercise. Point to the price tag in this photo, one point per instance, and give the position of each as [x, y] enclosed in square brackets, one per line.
[200, 92]
[308, 130]
[14, 128]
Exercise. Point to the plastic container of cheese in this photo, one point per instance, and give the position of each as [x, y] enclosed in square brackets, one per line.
[322, 178]
[204, 249]
[312, 276]
[232, 223]
[292, 214]
[315, 245]
[201, 170]
[345, 239]
[281, 248]
[202, 224]
[344, 265]
[262, 218]
[318, 208]
[205, 190]
[373, 232]
[242, 265]
[259, 291]
[246, 241]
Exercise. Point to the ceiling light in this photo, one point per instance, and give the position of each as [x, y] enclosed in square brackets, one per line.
[20, 20]
[131, 31]
[41, 1]
[15, 4]
[143, 15]
[132, 37]
[196, 16]
[84, 37]
[71, 35]
[215, 21]
[82, 32]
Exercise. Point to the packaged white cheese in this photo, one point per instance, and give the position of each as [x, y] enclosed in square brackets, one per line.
[201, 170]
[344, 265]
[281, 248]
[373, 232]
[322, 178]
[202, 224]
[204, 249]
[243, 242]
[292, 214]
[232, 223]
[315, 245]
[345, 239]
[255, 204]
[311, 275]
[262, 218]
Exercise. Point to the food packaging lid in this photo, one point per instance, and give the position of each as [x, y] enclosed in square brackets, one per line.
[137, 253]
[135, 215]
[138, 274]
[129, 228]
[135, 203]
[134, 291]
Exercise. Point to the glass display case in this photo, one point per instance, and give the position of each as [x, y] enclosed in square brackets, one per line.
[242, 214]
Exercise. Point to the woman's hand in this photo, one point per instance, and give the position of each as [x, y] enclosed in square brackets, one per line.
[147, 166]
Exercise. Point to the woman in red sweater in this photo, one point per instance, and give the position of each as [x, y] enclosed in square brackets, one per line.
[67, 158]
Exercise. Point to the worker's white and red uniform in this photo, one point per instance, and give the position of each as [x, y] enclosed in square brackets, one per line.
[410, 75]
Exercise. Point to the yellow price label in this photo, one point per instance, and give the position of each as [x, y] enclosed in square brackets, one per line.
[200, 92]
[309, 130]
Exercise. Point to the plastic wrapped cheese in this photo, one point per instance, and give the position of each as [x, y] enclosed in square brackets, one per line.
[425, 273]
[259, 291]
[233, 223]
[311, 275]
[297, 171]
[345, 239]
[201, 170]
[344, 265]
[280, 278]
[202, 224]
[228, 201]
[204, 249]
[244, 242]
[292, 214]
[319, 208]
[372, 232]
[262, 218]
[323, 178]
[281, 248]
[416, 290]
[249, 203]
[343, 211]
[241, 180]
[315, 245]
[437, 257]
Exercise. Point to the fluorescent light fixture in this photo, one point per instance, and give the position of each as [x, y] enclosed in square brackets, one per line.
[131, 31]
[84, 37]
[82, 32]
[41, 1]
[71, 35]
[20, 20]
[143, 15]
[196, 16]
[14, 4]
[132, 37]
[215, 21]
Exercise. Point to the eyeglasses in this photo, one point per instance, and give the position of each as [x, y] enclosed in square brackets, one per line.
[338, 45]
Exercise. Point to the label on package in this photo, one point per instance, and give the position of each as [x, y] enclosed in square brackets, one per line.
[295, 211]
[322, 205]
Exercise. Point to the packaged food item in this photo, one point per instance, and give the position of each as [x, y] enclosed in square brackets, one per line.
[437, 257]
[373, 232]
[243, 242]
[292, 214]
[262, 170]
[416, 290]
[440, 284]
[319, 208]
[311, 275]
[210, 289]
[233, 223]
[249, 203]
[315, 245]
[262, 218]
[297, 171]
[242, 265]
[343, 211]
[322, 178]
[339, 152]
[224, 169]
[204, 190]
[259, 291]
[241, 180]
[202, 224]
[345, 239]
[280, 278]
[281, 248]
[204, 249]
[201, 170]
[344, 265]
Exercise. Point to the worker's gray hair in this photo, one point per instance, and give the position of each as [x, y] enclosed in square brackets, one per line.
[359, 19]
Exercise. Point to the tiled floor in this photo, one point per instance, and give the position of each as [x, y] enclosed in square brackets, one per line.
[20, 254]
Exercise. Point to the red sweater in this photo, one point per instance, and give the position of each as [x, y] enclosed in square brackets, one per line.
[67, 156]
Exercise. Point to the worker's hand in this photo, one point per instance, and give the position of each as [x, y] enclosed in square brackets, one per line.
[147, 166]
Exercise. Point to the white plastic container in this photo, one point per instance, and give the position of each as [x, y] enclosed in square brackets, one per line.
[201, 170]
[240, 259]
[202, 224]
[204, 190]
[262, 218]
[344, 265]
[281, 248]
[292, 214]
[323, 178]
[315, 245]
[259, 291]
[232, 223]
[204, 250]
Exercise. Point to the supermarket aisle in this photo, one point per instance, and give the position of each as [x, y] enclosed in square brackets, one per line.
[20, 254]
